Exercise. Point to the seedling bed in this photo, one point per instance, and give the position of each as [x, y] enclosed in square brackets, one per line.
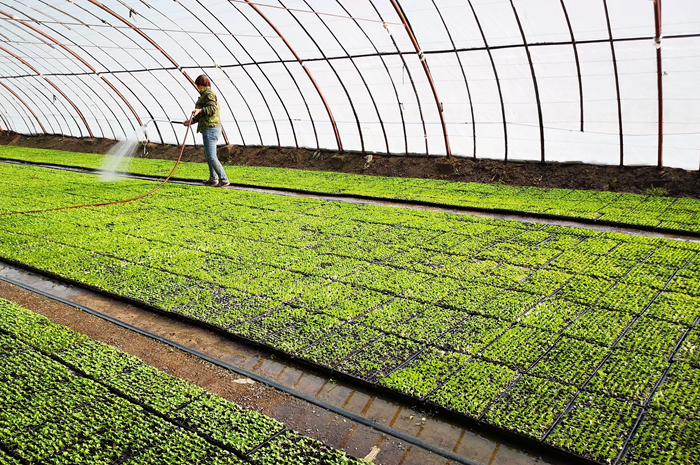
[56, 412]
[246, 265]
[641, 211]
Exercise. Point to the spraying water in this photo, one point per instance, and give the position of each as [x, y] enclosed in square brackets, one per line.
[119, 157]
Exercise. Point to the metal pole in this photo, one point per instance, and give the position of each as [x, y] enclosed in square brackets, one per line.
[419, 52]
[464, 75]
[617, 82]
[25, 104]
[578, 64]
[152, 42]
[308, 73]
[534, 80]
[659, 80]
[76, 56]
[495, 74]
[52, 85]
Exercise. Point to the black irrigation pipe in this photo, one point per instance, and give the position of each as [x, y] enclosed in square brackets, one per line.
[532, 444]
[582, 222]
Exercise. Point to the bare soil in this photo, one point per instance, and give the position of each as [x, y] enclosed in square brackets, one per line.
[678, 182]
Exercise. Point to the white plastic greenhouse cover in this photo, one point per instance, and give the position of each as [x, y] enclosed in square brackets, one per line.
[555, 80]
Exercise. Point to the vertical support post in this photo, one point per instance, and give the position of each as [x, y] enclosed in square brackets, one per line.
[409, 30]
[534, 80]
[306, 70]
[617, 84]
[659, 80]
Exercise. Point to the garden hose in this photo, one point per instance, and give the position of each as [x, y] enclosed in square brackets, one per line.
[114, 202]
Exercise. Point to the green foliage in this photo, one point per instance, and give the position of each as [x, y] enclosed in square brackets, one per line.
[519, 347]
[652, 208]
[596, 427]
[293, 449]
[485, 379]
[422, 374]
[51, 414]
[628, 375]
[530, 406]
[680, 391]
[664, 438]
[689, 350]
[570, 361]
[363, 289]
[238, 428]
[379, 358]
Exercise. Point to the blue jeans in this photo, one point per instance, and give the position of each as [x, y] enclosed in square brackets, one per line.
[211, 137]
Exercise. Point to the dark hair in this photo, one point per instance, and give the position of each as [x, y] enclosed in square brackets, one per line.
[203, 81]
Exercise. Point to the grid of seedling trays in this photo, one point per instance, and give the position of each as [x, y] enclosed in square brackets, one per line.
[67, 399]
[647, 211]
[570, 338]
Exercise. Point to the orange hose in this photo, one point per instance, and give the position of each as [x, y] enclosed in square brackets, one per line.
[182, 150]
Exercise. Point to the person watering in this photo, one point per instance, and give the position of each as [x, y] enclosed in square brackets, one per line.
[206, 115]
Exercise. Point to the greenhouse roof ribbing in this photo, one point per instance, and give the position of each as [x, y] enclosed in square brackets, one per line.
[612, 82]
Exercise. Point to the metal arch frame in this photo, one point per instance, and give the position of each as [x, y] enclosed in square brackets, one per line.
[6, 120]
[56, 74]
[41, 91]
[82, 23]
[342, 84]
[464, 74]
[391, 79]
[152, 42]
[100, 98]
[75, 55]
[25, 104]
[659, 81]
[34, 94]
[425, 52]
[359, 73]
[308, 74]
[413, 85]
[85, 63]
[25, 118]
[98, 61]
[284, 62]
[495, 74]
[576, 59]
[428, 75]
[21, 60]
[223, 94]
[113, 73]
[262, 94]
[617, 83]
[30, 95]
[534, 81]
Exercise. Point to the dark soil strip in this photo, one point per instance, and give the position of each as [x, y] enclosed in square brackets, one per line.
[635, 179]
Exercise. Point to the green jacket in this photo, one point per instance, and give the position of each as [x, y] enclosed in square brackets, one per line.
[209, 117]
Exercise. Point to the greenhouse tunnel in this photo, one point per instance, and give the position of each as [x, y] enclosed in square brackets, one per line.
[604, 82]
[454, 232]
